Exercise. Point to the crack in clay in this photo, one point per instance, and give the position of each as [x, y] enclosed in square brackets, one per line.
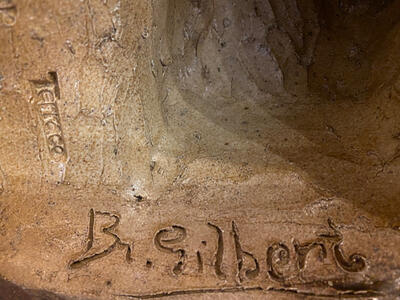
[241, 289]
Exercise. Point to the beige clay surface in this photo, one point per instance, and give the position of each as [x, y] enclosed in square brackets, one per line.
[200, 149]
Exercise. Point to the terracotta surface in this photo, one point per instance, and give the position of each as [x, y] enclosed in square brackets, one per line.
[199, 149]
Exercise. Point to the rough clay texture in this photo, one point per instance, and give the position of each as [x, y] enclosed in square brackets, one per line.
[200, 149]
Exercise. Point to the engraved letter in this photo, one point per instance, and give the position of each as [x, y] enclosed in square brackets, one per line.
[219, 253]
[303, 250]
[108, 230]
[240, 255]
[164, 242]
[278, 255]
[355, 263]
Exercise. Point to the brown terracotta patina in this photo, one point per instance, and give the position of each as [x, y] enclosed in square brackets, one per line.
[199, 149]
